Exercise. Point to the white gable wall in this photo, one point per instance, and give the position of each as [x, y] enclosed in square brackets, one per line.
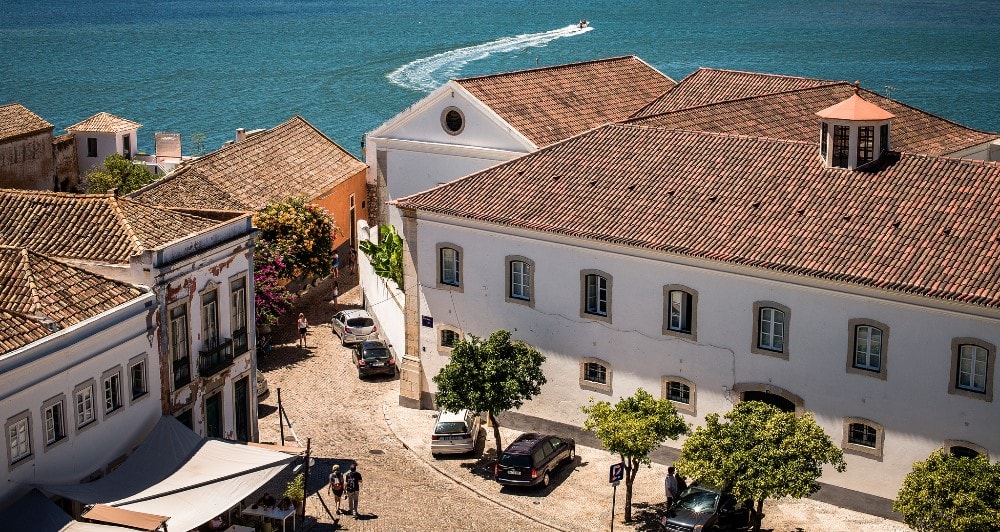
[912, 405]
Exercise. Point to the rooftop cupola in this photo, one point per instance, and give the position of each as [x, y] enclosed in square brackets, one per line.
[847, 132]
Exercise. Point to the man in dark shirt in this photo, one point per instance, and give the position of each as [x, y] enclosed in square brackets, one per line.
[352, 485]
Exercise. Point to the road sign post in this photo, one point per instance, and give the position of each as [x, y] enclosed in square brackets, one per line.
[615, 475]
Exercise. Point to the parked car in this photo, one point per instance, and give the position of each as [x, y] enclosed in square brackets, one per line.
[706, 508]
[373, 357]
[530, 459]
[455, 432]
[353, 326]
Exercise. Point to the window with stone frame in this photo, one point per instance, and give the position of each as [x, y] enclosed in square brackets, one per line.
[54, 418]
[179, 346]
[19, 438]
[597, 295]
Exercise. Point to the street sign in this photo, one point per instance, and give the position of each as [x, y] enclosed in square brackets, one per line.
[617, 473]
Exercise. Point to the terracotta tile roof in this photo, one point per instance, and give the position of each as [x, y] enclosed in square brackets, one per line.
[294, 158]
[792, 115]
[916, 224]
[94, 227]
[35, 288]
[104, 123]
[16, 120]
[550, 104]
[855, 108]
[712, 85]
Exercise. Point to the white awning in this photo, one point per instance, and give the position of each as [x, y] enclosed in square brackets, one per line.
[189, 480]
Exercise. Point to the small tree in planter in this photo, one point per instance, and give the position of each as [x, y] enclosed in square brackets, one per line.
[296, 491]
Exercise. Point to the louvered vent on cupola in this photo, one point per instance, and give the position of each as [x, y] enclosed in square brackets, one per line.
[848, 130]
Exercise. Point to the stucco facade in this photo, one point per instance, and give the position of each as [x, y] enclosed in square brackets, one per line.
[912, 404]
[26, 161]
[112, 350]
[347, 202]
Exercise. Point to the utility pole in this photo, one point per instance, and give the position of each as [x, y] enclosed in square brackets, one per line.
[281, 423]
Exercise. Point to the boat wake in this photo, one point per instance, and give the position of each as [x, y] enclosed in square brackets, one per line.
[431, 72]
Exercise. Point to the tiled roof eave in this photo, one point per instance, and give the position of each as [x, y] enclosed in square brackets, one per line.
[787, 269]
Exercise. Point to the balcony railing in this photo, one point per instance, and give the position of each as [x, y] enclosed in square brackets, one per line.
[240, 341]
[215, 359]
[182, 372]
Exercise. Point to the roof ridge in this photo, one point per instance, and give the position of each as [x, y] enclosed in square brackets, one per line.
[919, 110]
[125, 223]
[714, 133]
[24, 265]
[552, 67]
[324, 135]
[741, 99]
[783, 76]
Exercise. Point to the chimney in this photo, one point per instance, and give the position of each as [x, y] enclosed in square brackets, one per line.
[240, 134]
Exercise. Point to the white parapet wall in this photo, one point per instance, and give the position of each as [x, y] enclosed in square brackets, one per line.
[382, 298]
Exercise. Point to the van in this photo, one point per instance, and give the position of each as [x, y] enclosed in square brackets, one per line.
[530, 459]
[455, 432]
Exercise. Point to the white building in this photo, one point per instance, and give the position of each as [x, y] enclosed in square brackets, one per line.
[102, 135]
[841, 277]
[470, 124]
[78, 382]
[201, 274]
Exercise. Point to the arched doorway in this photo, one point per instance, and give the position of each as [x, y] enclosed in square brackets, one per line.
[774, 400]
[780, 398]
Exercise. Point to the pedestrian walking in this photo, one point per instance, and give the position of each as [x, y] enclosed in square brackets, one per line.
[670, 486]
[336, 293]
[354, 260]
[336, 486]
[303, 324]
[336, 265]
[352, 486]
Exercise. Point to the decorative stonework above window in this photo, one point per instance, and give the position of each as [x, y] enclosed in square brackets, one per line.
[453, 120]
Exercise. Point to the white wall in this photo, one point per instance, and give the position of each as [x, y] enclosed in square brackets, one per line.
[107, 143]
[912, 404]
[56, 365]
[382, 300]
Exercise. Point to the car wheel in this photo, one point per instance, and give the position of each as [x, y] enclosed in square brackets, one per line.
[571, 456]
[546, 480]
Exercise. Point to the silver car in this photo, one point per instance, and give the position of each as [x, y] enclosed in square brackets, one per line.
[455, 432]
[354, 326]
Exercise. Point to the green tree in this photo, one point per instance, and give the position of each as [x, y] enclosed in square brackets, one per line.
[948, 493]
[386, 256]
[492, 376]
[633, 428]
[197, 144]
[119, 173]
[760, 452]
[300, 233]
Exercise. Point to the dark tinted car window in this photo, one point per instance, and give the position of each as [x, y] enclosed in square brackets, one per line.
[515, 460]
[538, 455]
[377, 353]
[360, 322]
[450, 427]
[547, 447]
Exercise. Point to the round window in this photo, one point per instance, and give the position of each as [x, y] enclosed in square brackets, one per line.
[452, 120]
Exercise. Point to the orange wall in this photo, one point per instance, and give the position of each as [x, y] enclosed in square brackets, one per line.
[338, 203]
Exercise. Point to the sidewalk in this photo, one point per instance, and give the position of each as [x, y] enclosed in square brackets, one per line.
[580, 497]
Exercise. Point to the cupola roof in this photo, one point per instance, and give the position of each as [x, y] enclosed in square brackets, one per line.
[855, 108]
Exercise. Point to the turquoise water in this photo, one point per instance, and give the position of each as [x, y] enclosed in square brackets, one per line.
[347, 66]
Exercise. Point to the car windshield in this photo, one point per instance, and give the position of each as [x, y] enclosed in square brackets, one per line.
[450, 427]
[699, 500]
[515, 460]
[360, 322]
[377, 353]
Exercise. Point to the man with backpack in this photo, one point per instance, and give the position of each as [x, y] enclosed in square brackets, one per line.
[352, 485]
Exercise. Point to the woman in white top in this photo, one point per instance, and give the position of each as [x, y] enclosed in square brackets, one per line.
[303, 325]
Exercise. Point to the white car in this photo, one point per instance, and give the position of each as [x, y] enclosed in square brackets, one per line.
[455, 432]
[354, 326]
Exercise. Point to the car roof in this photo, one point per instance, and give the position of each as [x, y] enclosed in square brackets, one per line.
[355, 313]
[371, 344]
[526, 443]
[446, 416]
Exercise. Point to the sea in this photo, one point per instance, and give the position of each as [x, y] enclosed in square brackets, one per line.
[347, 66]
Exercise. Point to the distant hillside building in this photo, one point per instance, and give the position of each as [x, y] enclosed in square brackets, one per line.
[799, 242]
[101, 135]
[200, 273]
[79, 385]
[291, 159]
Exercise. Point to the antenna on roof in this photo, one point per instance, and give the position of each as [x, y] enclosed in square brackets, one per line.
[857, 87]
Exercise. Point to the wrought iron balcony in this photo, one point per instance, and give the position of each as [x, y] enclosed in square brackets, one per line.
[215, 359]
[182, 372]
[241, 343]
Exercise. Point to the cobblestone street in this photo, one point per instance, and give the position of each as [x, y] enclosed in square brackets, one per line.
[405, 488]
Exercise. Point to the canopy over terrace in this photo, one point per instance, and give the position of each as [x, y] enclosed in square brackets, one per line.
[178, 474]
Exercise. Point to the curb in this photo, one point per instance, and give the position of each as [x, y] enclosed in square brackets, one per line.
[449, 476]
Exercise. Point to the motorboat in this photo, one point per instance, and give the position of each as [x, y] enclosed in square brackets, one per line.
[583, 23]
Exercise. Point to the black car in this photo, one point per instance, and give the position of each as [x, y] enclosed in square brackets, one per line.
[705, 508]
[374, 358]
[529, 460]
